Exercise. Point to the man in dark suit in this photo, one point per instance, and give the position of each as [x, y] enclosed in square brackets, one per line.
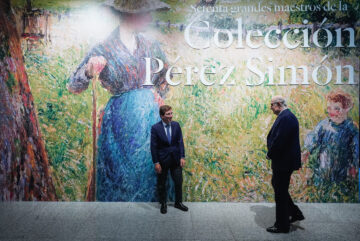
[168, 153]
[284, 151]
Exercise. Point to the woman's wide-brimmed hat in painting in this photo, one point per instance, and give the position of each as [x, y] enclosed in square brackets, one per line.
[136, 6]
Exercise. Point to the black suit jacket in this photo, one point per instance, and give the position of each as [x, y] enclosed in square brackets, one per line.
[283, 142]
[167, 154]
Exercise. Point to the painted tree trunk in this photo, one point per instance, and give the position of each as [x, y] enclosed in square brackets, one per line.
[24, 167]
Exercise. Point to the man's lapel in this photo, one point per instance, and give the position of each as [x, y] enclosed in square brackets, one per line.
[273, 126]
[276, 121]
[173, 131]
[162, 131]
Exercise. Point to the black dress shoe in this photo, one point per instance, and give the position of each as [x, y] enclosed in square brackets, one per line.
[297, 217]
[163, 208]
[274, 229]
[181, 206]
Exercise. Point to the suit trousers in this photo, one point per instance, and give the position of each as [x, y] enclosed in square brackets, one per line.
[285, 206]
[176, 175]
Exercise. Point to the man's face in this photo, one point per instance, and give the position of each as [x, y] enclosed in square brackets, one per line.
[336, 112]
[167, 117]
[274, 106]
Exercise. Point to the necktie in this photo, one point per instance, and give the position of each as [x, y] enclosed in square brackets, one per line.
[168, 133]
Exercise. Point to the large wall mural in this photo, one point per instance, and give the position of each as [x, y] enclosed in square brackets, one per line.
[77, 99]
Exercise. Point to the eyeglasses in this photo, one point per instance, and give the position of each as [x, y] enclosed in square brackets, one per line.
[273, 103]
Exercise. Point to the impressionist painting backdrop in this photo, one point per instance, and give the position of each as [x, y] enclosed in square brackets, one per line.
[70, 135]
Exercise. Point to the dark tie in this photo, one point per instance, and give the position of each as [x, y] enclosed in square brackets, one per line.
[168, 133]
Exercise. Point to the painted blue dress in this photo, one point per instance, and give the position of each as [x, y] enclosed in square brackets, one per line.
[336, 147]
[125, 171]
[334, 151]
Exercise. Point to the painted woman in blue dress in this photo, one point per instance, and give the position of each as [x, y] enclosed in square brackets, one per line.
[124, 170]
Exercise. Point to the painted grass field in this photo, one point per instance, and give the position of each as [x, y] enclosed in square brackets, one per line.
[224, 127]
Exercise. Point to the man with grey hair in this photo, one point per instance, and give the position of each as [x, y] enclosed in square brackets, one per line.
[284, 151]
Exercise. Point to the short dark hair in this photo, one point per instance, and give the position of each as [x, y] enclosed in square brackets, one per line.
[163, 109]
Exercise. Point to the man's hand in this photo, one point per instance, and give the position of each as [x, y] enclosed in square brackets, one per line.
[158, 168]
[182, 162]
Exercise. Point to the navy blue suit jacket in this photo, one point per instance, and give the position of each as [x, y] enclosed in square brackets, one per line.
[161, 150]
[283, 142]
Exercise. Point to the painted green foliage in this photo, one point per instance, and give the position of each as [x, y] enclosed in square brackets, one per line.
[224, 127]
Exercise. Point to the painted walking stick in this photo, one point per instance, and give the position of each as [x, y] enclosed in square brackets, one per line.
[96, 64]
[91, 186]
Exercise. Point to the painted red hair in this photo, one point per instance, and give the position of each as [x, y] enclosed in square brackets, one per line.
[341, 97]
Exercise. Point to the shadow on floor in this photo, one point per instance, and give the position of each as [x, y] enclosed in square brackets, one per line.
[265, 217]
